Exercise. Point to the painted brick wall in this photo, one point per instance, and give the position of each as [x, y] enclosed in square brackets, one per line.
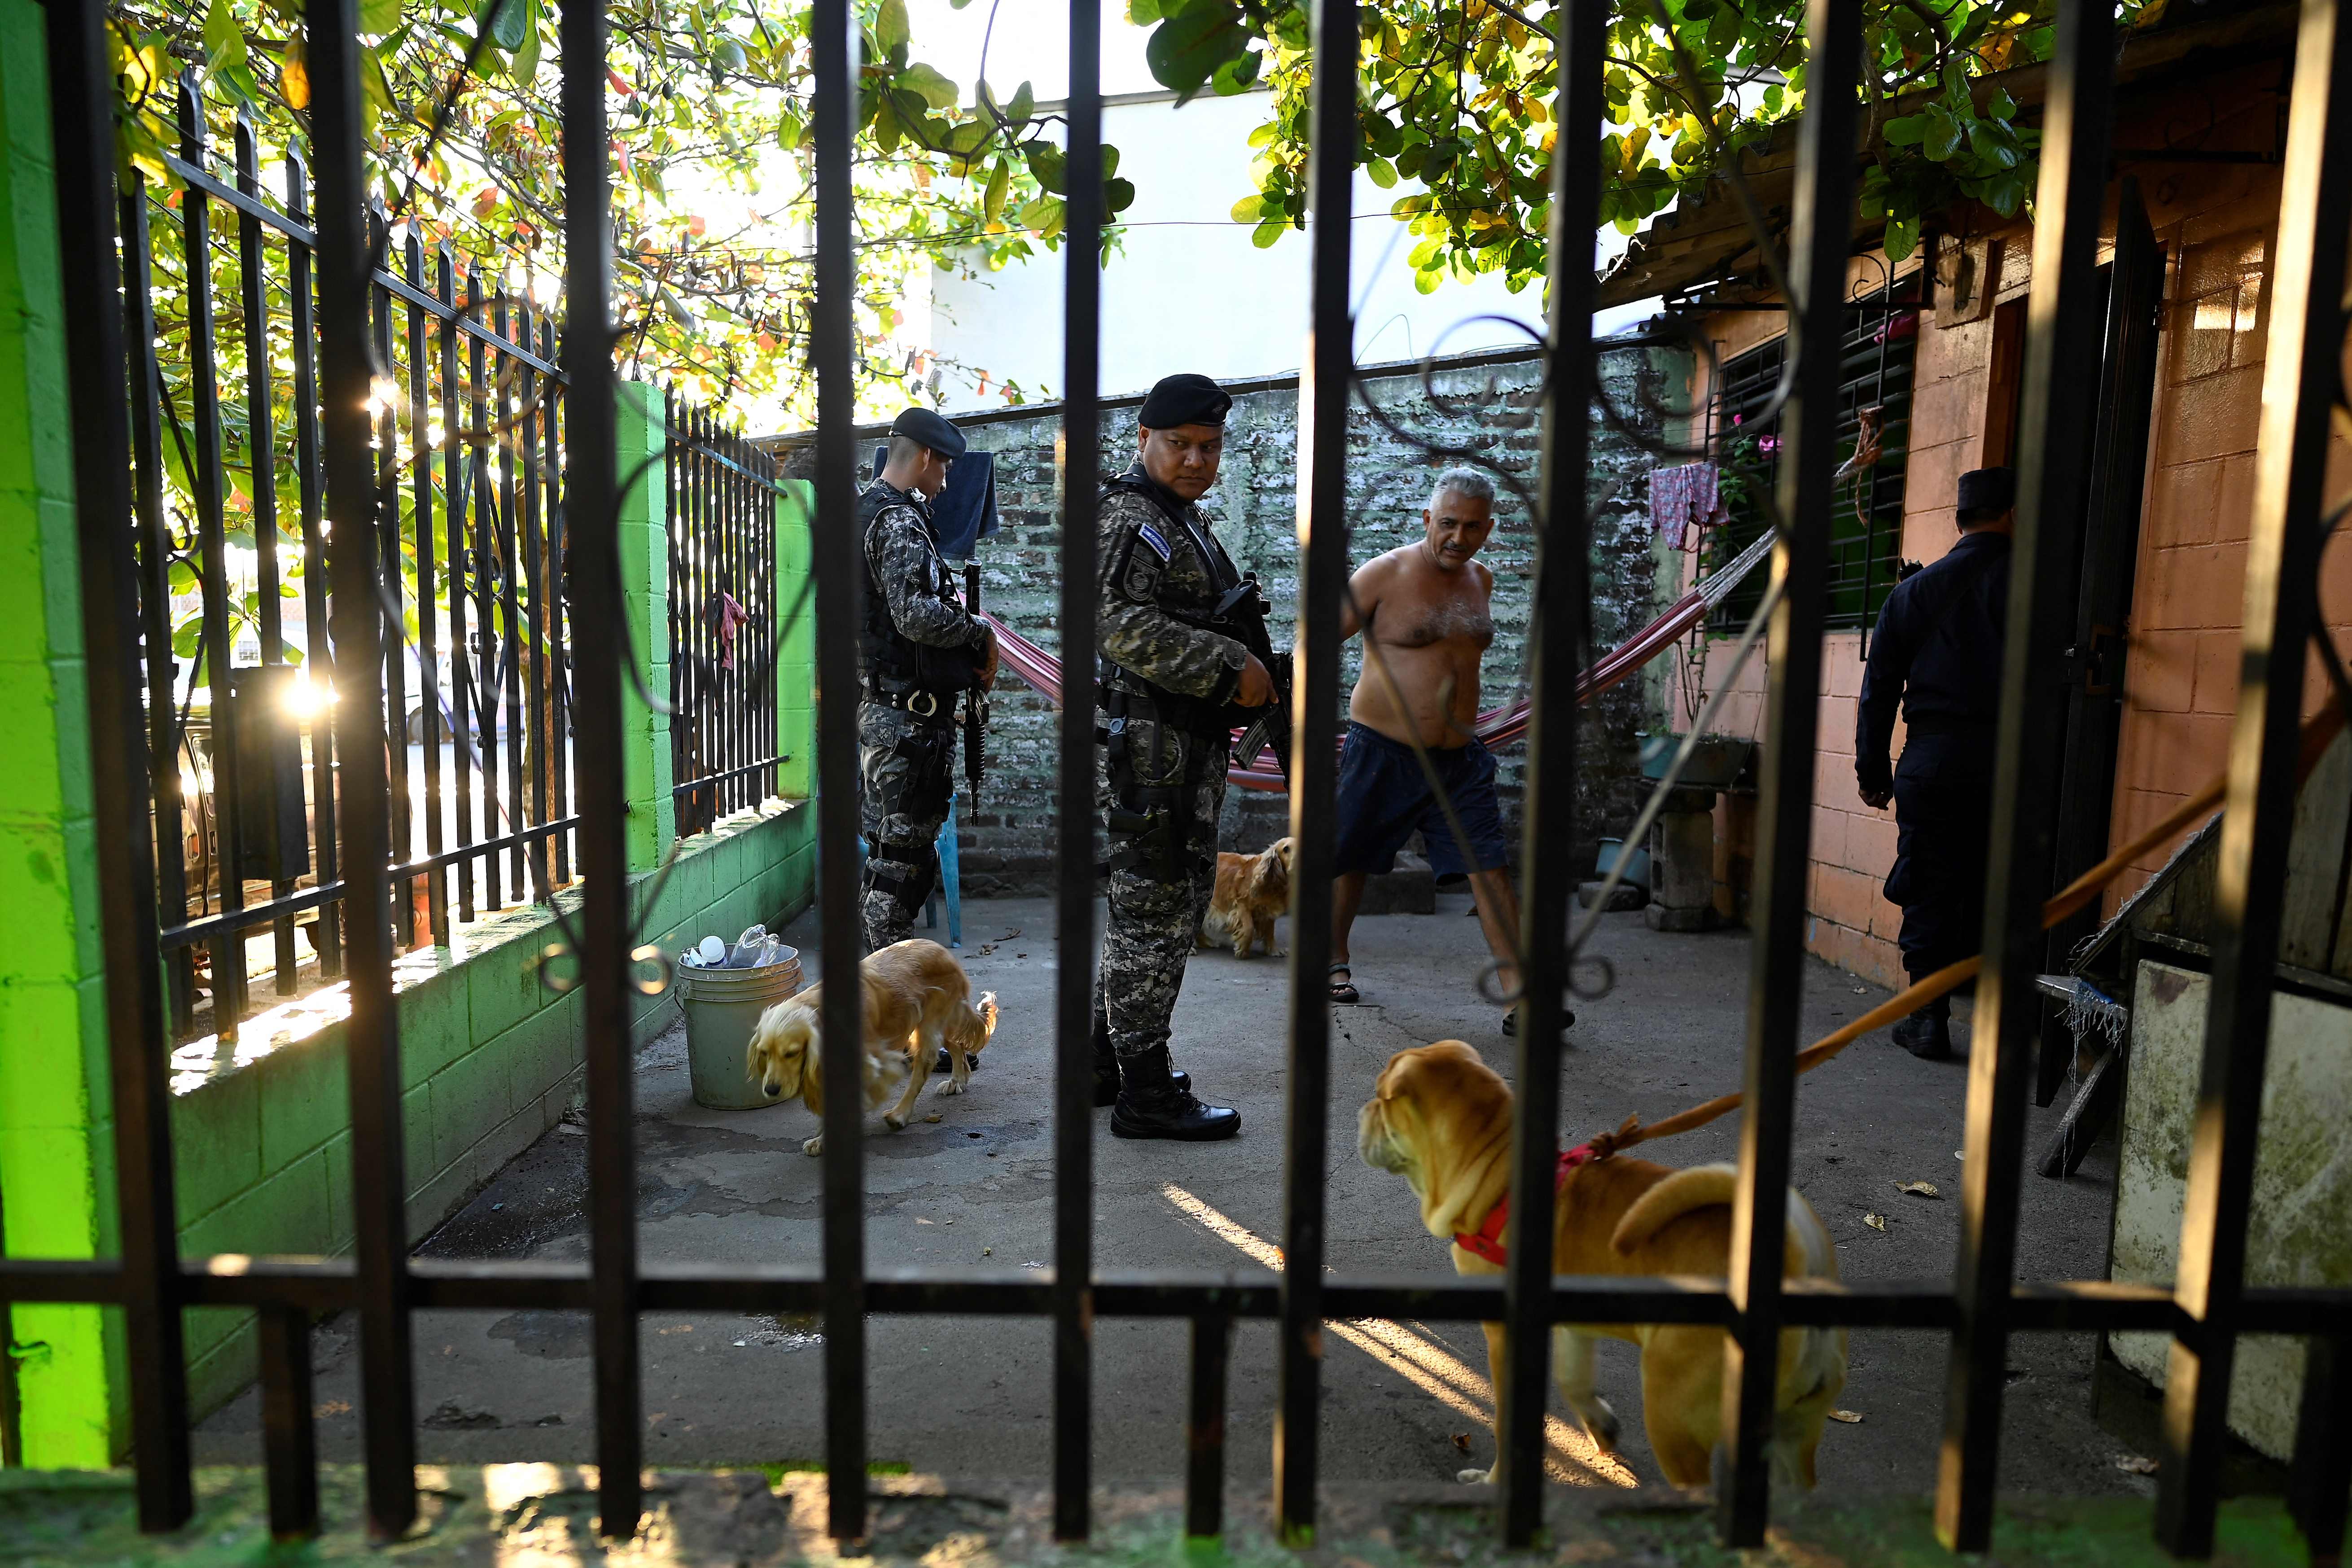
[1005, 840]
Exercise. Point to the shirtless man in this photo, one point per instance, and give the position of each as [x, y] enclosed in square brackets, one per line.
[1426, 605]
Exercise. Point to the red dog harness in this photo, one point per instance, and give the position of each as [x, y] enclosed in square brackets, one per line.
[1487, 1240]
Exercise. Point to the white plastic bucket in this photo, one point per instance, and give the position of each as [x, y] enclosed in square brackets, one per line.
[722, 1007]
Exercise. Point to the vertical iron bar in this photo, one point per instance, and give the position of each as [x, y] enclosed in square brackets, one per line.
[2054, 477]
[559, 739]
[1075, 810]
[483, 560]
[2322, 1446]
[207, 485]
[82, 107]
[534, 570]
[1818, 242]
[319, 663]
[454, 484]
[155, 598]
[403, 820]
[1559, 635]
[511, 659]
[428, 591]
[2300, 383]
[673, 519]
[388, 1402]
[1323, 572]
[834, 35]
[603, 848]
[261, 454]
[1205, 1427]
[288, 1440]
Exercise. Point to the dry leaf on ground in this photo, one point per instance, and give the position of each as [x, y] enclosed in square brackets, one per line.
[1874, 1221]
[1918, 1189]
[1851, 1417]
[2135, 1465]
[1462, 1441]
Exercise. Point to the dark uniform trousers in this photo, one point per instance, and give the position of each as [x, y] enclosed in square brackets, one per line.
[1943, 832]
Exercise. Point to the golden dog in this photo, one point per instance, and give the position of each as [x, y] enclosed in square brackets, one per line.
[917, 999]
[1252, 891]
[1441, 1118]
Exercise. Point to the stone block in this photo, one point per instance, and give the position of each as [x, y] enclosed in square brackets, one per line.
[216, 1142]
[1408, 889]
[305, 1096]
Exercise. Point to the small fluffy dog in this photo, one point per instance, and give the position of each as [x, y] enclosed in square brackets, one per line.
[1252, 892]
[917, 999]
[1441, 1118]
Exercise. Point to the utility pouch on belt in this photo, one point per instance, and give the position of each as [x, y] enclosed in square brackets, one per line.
[1151, 826]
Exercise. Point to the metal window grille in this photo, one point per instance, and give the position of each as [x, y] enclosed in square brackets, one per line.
[1876, 353]
[467, 410]
[1978, 1307]
[724, 617]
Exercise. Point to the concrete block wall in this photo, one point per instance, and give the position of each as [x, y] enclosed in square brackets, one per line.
[1006, 836]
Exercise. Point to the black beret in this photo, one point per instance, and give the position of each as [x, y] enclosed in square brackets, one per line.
[1986, 493]
[1185, 399]
[922, 424]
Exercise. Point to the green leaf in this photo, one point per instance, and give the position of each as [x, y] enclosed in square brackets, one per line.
[223, 39]
[1909, 131]
[1427, 282]
[1382, 172]
[1265, 134]
[1038, 213]
[999, 183]
[1117, 195]
[1109, 160]
[1142, 13]
[1237, 76]
[506, 21]
[1987, 142]
[1050, 168]
[1249, 209]
[1266, 233]
[1189, 48]
[524, 65]
[1902, 238]
[1023, 104]
[933, 88]
[789, 130]
[375, 89]
[2000, 106]
[1943, 138]
[890, 31]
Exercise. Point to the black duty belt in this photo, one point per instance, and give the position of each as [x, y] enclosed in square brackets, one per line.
[936, 707]
[1194, 715]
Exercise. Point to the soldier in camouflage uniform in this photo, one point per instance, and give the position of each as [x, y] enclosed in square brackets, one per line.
[1171, 682]
[921, 650]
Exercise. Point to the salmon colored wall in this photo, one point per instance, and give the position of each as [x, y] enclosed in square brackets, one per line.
[2181, 668]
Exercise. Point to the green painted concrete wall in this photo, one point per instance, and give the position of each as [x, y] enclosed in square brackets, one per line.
[56, 1157]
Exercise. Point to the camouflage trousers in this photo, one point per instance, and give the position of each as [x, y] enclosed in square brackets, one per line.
[907, 774]
[1155, 918]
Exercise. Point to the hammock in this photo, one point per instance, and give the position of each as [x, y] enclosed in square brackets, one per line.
[1496, 726]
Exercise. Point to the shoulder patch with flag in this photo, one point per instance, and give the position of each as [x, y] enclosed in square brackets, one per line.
[1154, 538]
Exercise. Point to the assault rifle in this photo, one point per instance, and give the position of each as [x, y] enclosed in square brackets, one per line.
[975, 703]
[1241, 614]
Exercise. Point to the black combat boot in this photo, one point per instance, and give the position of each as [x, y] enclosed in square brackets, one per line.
[1107, 1067]
[1151, 1105]
[1927, 1034]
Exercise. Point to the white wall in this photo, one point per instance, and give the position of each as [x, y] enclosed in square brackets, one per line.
[1189, 292]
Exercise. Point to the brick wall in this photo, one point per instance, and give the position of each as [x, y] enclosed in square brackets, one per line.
[1006, 836]
[2216, 225]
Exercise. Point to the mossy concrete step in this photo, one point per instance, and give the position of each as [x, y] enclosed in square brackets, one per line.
[539, 1516]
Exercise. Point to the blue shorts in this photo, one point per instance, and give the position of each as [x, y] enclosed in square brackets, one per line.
[1383, 798]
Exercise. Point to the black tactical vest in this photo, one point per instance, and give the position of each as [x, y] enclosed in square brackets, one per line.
[894, 662]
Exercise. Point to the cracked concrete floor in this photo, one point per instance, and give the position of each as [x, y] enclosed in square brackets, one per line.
[970, 1397]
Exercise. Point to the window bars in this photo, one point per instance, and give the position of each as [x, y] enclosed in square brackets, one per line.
[1977, 1308]
[466, 413]
[725, 620]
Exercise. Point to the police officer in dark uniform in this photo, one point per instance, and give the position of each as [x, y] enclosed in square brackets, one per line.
[921, 649]
[1937, 649]
[1176, 678]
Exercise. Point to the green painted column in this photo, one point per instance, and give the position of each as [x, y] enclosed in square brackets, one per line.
[55, 1109]
[796, 652]
[644, 585]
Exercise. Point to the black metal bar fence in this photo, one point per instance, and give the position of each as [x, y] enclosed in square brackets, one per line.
[494, 537]
[236, 648]
[724, 617]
